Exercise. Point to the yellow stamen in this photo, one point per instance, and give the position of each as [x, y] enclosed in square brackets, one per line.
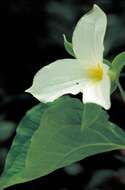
[95, 73]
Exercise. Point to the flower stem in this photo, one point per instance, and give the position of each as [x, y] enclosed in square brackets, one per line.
[121, 90]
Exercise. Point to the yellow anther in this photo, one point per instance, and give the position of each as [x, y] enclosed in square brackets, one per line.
[95, 72]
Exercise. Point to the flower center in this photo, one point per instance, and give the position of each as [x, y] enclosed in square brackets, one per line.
[95, 73]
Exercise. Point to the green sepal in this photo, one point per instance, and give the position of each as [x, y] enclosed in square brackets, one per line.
[114, 72]
[68, 46]
[107, 62]
[113, 82]
[117, 65]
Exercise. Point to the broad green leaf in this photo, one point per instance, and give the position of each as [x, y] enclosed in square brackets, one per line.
[91, 113]
[68, 46]
[18, 152]
[51, 137]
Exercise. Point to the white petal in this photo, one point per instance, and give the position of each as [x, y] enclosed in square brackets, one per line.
[58, 78]
[99, 92]
[88, 36]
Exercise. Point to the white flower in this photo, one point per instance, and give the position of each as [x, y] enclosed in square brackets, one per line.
[87, 73]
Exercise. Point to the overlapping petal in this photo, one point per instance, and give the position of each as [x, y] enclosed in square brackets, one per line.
[99, 92]
[58, 78]
[88, 37]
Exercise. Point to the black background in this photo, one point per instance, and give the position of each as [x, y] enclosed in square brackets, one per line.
[31, 37]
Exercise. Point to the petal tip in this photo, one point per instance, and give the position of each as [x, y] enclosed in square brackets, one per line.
[98, 9]
[29, 90]
[96, 6]
[107, 107]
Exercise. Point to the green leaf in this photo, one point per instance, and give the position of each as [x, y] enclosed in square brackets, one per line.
[114, 72]
[118, 64]
[91, 113]
[18, 152]
[50, 137]
[68, 46]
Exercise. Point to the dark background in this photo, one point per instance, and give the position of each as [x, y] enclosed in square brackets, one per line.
[31, 37]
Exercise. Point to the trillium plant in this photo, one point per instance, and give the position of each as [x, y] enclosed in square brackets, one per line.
[62, 130]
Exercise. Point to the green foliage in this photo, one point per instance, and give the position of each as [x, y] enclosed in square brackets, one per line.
[50, 137]
[74, 169]
[100, 177]
[68, 46]
[121, 158]
[116, 68]
[6, 130]
[91, 114]
[118, 64]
